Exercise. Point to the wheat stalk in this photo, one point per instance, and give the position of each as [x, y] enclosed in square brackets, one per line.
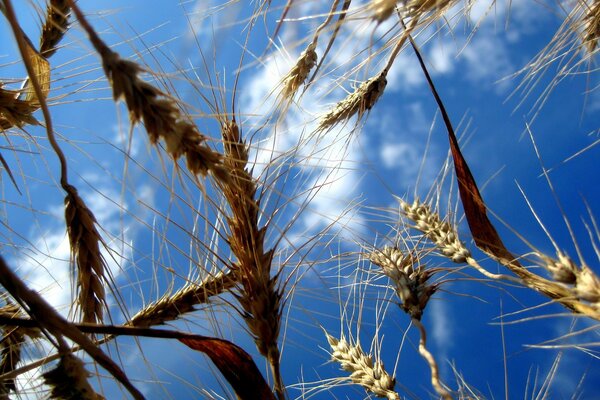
[369, 374]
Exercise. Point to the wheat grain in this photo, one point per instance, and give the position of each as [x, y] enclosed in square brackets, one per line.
[372, 376]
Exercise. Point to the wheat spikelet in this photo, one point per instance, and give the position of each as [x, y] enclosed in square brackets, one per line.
[418, 8]
[15, 112]
[172, 307]
[258, 293]
[410, 282]
[439, 232]
[68, 380]
[298, 74]
[361, 100]
[591, 25]
[13, 339]
[583, 281]
[372, 376]
[85, 253]
[55, 26]
[382, 9]
[159, 113]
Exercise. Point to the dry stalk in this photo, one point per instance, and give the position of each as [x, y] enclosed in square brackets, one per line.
[85, 254]
[410, 281]
[435, 375]
[258, 294]
[68, 380]
[172, 307]
[159, 113]
[53, 324]
[55, 26]
[372, 376]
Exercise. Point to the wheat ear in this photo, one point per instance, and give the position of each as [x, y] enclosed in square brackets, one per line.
[14, 111]
[172, 307]
[69, 380]
[298, 74]
[372, 376]
[85, 253]
[12, 342]
[55, 26]
[409, 277]
[258, 292]
[382, 9]
[591, 24]
[159, 113]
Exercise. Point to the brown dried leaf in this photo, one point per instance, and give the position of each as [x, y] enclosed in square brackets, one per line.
[236, 366]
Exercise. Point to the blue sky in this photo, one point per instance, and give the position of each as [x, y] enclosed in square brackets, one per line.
[127, 184]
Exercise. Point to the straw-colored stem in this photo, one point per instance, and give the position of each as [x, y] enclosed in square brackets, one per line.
[435, 374]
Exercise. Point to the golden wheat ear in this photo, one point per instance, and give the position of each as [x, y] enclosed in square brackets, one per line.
[69, 380]
[55, 26]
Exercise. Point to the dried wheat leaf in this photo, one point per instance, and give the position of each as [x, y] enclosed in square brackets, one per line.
[236, 366]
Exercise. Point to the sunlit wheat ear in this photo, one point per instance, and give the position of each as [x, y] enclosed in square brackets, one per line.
[174, 306]
[15, 112]
[298, 74]
[591, 25]
[69, 380]
[417, 8]
[442, 233]
[11, 345]
[55, 26]
[358, 102]
[369, 374]
[409, 278]
[382, 9]
[583, 281]
[85, 254]
[258, 293]
[158, 112]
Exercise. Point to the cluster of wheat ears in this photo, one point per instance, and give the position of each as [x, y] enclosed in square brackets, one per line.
[254, 276]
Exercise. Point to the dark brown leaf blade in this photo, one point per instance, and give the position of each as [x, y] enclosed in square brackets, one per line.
[484, 234]
[236, 366]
